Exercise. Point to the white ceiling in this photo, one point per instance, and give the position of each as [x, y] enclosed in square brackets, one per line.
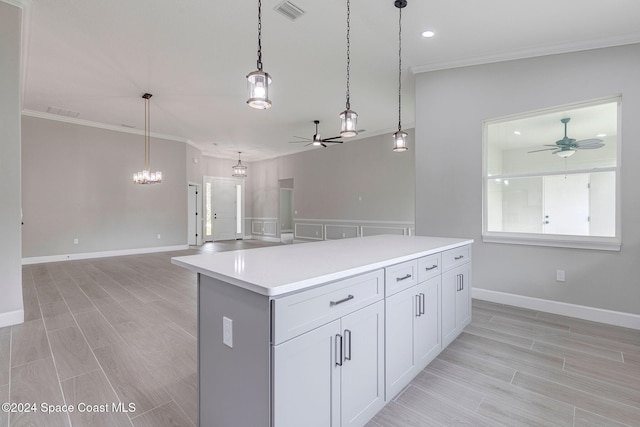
[97, 57]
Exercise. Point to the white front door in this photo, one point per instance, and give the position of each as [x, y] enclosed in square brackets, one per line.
[224, 208]
[193, 214]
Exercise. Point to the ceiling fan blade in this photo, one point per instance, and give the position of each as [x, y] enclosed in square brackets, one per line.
[544, 149]
[296, 142]
[323, 144]
[590, 143]
[329, 139]
[332, 142]
[301, 137]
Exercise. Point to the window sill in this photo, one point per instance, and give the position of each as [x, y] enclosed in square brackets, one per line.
[557, 241]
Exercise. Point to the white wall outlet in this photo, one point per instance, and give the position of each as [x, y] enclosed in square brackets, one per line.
[560, 276]
[76, 241]
[159, 237]
[227, 331]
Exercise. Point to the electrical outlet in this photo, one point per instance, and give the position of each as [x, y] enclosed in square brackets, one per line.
[560, 276]
[227, 331]
[76, 241]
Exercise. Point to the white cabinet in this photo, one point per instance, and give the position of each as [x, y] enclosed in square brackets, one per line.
[332, 375]
[412, 328]
[456, 293]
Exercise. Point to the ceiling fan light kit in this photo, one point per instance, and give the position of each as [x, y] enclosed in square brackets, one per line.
[258, 81]
[145, 176]
[400, 137]
[567, 147]
[348, 118]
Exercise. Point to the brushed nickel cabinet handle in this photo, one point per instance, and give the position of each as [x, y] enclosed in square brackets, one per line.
[348, 343]
[418, 306]
[422, 304]
[399, 279]
[459, 257]
[332, 303]
[432, 267]
[338, 337]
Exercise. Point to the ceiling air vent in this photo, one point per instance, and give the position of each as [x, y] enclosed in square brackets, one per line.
[289, 10]
[62, 112]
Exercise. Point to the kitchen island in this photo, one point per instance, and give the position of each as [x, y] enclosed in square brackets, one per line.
[323, 333]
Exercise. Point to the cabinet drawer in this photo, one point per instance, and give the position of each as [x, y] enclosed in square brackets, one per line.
[298, 313]
[400, 276]
[455, 257]
[428, 267]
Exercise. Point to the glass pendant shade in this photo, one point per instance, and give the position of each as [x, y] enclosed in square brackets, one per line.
[258, 88]
[348, 123]
[400, 141]
[566, 153]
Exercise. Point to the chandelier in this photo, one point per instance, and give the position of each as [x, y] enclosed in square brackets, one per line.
[146, 176]
[239, 170]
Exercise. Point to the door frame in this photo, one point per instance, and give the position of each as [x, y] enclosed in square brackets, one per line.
[237, 181]
[198, 206]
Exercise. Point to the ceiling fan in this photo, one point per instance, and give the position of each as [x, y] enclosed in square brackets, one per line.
[317, 139]
[566, 146]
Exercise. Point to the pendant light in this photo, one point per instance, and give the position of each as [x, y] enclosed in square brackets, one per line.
[348, 118]
[240, 170]
[400, 137]
[146, 176]
[258, 81]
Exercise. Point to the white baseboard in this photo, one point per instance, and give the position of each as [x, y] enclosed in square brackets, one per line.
[104, 254]
[266, 239]
[11, 318]
[617, 318]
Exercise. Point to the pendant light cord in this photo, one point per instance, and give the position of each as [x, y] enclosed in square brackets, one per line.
[147, 146]
[400, 69]
[259, 35]
[348, 52]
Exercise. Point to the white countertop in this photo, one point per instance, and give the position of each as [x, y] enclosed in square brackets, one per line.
[278, 270]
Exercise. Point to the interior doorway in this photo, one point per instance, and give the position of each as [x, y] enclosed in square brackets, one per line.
[286, 212]
[223, 208]
[194, 223]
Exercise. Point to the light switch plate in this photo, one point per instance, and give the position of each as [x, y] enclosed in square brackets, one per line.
[227, 331]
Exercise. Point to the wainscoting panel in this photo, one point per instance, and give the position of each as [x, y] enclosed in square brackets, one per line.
[336, 231]
[308, 231]
[368, 230]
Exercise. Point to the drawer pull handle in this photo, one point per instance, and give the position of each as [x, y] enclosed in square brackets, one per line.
[338, 347]
[400, 279]
[347, 337]
[422, 303]
[418, 310]
[432, 267]
[459, 257]
[332, 303]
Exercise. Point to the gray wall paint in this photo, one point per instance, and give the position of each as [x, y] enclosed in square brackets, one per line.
[10, 165]
[77, 183]
[330, 181]
[450, 108]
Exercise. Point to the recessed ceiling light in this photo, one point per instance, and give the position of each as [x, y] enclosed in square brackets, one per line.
[428, 34]
[517, 132]
[601, 135]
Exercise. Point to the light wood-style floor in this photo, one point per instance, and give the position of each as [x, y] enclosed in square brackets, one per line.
[123, 330]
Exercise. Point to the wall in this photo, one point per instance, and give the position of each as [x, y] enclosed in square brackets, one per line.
[77, 183]
[11, 307]
[450, 107]
[355, 182]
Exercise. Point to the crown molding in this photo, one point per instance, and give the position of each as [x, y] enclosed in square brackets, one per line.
[530, 53]
[81, 122]
[19, 3]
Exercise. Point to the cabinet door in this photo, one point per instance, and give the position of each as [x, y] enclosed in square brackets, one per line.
[306, 379]
[463, 297]
[400, 311]
[427, 323]
[448, 307]
[362, 373]
[456, 302]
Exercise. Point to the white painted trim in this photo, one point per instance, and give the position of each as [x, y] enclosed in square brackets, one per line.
[296, 234]
[266, 228]
[327, 226]
[11, 318]
[373, 227]
[530, 53]
[257, 218]
[557, 242]
[81, 122]
[353, 221]
[103, 254]
[267, 239]
[594, 314]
